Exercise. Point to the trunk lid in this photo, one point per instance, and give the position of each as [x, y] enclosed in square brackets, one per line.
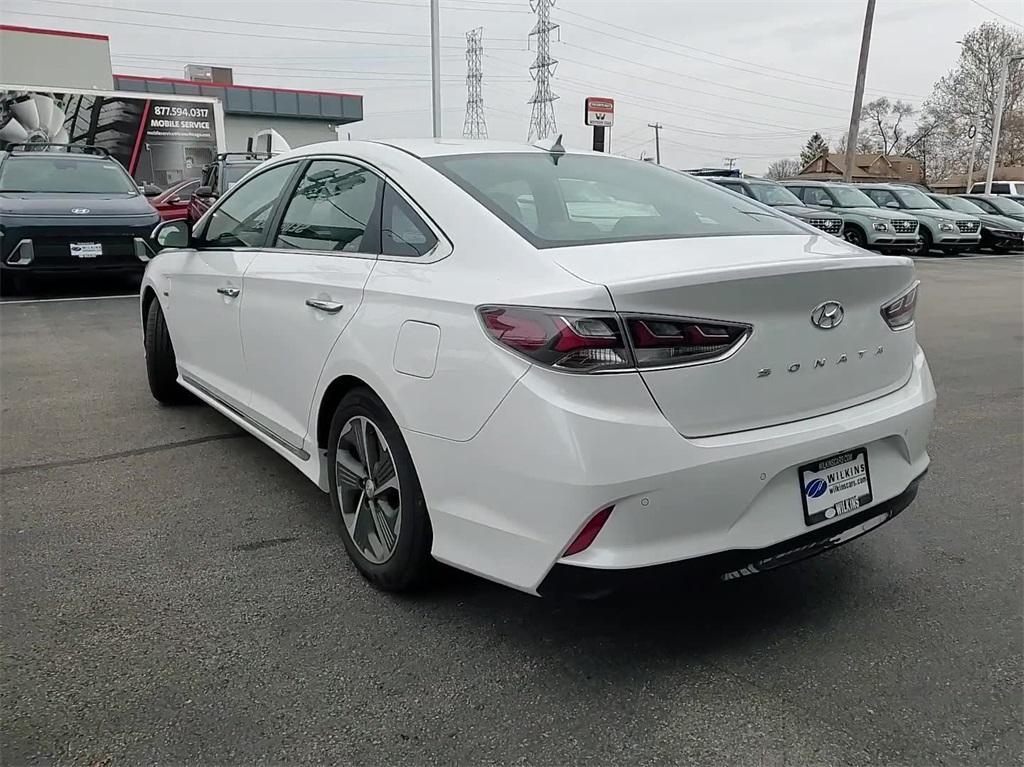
[772, 283]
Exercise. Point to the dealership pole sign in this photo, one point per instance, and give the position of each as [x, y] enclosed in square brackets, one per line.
[600, 113]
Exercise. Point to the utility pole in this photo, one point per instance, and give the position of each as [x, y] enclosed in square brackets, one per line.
[997, 122]
[435, 65]
[730, 162]
[542, 117]
[475, 125]
[858, 92]
[657, 140]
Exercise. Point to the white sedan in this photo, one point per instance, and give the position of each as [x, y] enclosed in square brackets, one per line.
[565, 398]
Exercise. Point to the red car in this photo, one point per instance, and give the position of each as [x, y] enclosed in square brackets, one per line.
[172, 203]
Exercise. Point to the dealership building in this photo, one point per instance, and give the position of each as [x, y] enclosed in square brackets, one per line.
[59, 86]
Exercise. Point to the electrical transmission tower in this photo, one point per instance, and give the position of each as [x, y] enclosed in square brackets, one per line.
[475, 126]
[542, 118]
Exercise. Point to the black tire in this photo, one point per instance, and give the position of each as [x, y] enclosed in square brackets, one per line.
[161, 365]
[409, 565]
[855, 236]
[924, 244]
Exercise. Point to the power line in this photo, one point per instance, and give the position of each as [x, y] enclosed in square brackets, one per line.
[262, 24]
[760, 67]
[687, 111]
[332, 40]
[475, 125]
[542, 117]
[997, 13]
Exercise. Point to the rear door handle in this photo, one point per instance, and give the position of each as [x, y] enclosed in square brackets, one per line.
[331, 307]
[229, 292]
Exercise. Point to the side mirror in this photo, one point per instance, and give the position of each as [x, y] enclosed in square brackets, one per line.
[151, 190]
[172, 234]
[176, 200]
[203, 191]
[823, 203]
[893, 205]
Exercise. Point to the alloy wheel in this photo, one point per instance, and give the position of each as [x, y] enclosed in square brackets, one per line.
[371, 498]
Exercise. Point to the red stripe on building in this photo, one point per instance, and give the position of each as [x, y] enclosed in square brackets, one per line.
[55, 32]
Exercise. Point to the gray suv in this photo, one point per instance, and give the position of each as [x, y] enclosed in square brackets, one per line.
[780, 198]
[949, 231]
[864, 223]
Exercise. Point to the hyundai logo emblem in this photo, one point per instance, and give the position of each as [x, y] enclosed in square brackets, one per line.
[816, 488]
[80, 211]
[827, 315]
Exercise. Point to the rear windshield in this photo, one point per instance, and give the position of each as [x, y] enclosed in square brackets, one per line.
[587, 199]
[64, 175]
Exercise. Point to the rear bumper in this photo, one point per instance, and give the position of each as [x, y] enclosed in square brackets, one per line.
[589, 583]
[552, 455]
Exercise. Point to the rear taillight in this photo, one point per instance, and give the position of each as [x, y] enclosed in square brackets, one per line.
[594, 342]
[899, 313]
[659, 341]
[564, 340]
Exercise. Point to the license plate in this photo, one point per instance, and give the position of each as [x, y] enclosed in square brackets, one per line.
[835, 485]
[86, 249]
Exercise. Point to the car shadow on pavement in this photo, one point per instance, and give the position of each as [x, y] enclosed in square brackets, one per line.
[681, 618]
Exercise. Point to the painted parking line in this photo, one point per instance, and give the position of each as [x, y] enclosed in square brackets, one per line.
[56, 300]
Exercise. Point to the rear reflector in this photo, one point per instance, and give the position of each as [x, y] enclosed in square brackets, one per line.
[899, 313]
[589, 532]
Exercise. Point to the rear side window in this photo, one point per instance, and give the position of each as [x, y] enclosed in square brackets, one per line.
[241, 220]
[403, 232]
[555, 201]
[335, 208]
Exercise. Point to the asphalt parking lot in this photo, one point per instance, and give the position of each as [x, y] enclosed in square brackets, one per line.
[174, 593]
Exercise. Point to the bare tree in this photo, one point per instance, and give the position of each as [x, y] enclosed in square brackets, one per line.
[785, 168]
[970, 89]
[865, 144]
[888, 123]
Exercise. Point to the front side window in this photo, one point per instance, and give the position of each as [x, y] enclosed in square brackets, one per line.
[816, 195]
[241, 220]
[848, 197]
[556, 201]
[881, 197]
[403, 232]
[335, 208]
[738, 188]
[65, 174]
[774, 194]
[915, 199]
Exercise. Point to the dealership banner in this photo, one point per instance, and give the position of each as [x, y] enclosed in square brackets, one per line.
[159, 141]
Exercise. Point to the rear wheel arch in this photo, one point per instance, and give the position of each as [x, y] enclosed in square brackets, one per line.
[332, 397]
[148, 297]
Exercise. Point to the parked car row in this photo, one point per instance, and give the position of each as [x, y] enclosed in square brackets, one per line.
[893, 218]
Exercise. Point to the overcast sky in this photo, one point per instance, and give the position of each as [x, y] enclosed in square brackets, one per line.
[741, 78]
